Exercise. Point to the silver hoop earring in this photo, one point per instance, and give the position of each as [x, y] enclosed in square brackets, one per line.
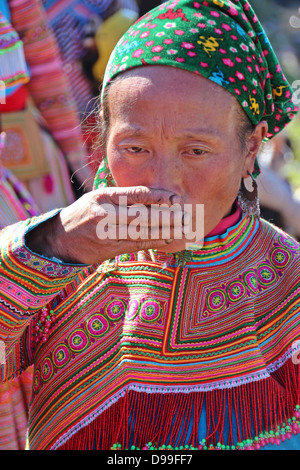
[248, 200]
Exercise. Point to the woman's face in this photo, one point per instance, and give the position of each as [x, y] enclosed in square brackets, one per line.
[175, 130]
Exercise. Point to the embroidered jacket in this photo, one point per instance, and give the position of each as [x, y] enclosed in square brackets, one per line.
[149, 352]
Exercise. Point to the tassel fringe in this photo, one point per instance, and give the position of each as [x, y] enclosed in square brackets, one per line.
[246, 417]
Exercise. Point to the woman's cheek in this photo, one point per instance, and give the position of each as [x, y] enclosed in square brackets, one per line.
[123, 173]
[116, 165]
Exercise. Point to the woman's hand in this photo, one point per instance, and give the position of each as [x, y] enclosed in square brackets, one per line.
[133, 217]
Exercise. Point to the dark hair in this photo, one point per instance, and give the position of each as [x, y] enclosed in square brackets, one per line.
[104, 116]
[95, 125]
[246, 127]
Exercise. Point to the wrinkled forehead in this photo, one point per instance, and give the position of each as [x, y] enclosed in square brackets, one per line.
[169, 84]
[159, 99]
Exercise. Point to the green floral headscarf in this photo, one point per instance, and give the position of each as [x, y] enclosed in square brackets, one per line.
[221, 40]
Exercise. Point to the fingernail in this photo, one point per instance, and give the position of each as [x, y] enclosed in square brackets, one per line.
[186, 218]
[168, 242]
[175, 199]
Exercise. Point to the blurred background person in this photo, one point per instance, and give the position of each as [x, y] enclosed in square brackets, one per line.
[73, 21]
[44, 142]
[86, 32]
[277, 199]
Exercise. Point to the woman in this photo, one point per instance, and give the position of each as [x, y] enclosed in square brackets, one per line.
[138, 342]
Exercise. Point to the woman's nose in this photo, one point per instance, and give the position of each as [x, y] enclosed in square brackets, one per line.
[166, 173]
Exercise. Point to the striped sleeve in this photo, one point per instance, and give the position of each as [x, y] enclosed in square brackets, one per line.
[27, 283]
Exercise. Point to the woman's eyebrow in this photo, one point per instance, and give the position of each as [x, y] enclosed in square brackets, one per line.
[197, 132]
[189, 133]
[132, 130]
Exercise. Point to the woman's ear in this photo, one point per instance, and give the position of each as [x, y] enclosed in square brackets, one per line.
[253, 145]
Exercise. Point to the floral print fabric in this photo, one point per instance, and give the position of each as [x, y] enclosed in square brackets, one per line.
[221, 40]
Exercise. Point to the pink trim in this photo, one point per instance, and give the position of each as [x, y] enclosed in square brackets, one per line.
[226, 222]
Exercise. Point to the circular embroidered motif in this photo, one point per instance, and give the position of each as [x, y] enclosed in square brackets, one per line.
[126, 257]
[78, 341]
[47, 369]
[236, 291]
[250, 280]
[216, 300]
[280, 257]
[150, 311]
[288, 243]
[266, 275]
[132, 309]
[61, 355]
[115, 310]
[97, 325]
[36, 383]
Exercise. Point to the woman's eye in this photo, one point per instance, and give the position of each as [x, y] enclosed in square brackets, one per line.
[196, 152]
[135, 149]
